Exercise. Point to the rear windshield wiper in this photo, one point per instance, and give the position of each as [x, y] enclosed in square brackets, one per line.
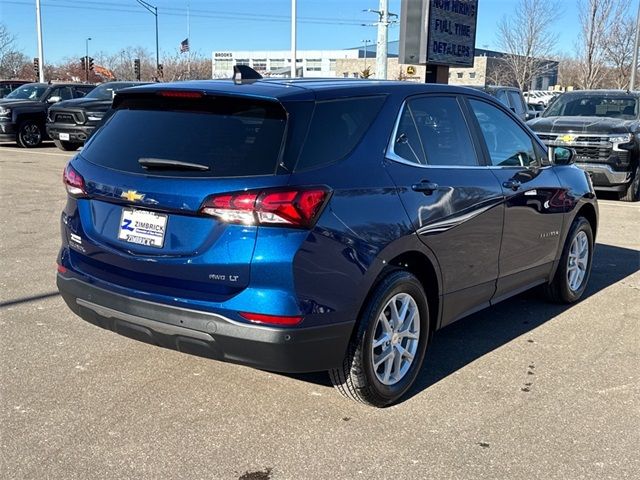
[166, 164]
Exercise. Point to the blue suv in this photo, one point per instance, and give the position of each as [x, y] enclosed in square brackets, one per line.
[306, 225]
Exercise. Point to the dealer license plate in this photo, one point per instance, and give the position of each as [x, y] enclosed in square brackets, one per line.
[142, 227]
[64, 136]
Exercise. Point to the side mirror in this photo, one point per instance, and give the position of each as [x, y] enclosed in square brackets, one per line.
[561, 155]
[54, 99]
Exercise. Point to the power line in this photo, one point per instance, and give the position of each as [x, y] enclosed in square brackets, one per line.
[178, 12]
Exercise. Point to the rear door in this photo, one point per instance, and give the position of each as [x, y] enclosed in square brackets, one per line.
[534, 198]
[148, 172]
[454, 202]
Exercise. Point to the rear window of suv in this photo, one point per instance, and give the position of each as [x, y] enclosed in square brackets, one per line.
[221, 136]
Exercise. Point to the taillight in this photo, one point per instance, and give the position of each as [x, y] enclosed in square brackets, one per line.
[73, 181]
[271, 319]
[180, 94]
[295, 207]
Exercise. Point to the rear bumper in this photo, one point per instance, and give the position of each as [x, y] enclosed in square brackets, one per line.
[293, 350]
[77, 133]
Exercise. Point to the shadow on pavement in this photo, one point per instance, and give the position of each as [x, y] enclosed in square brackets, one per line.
[32, 298]
[463, 342]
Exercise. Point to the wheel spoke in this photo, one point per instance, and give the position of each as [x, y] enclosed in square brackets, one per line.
[387, 369]
[380, 341]
[385, 323]
[383, 357]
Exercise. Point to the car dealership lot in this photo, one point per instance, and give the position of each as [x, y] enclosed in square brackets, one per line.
[525, 389]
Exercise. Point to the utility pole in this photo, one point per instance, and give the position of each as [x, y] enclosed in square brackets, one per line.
[188, 42]
[294, 20]
[40, 49]
[383, 34]
[634, 65]
[154, 11]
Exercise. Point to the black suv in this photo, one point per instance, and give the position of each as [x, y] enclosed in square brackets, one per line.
[23, 112]
[511, 97]
[71, 123]
[603, 127]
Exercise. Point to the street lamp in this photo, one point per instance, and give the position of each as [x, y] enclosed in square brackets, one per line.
[86, 63]
[154, 11]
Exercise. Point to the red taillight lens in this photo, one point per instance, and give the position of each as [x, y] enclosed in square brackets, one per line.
[61, 269]
[271, 319]
[73, 181]
[291, 207]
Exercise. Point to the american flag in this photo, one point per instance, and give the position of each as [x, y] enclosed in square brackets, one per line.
[184, 45]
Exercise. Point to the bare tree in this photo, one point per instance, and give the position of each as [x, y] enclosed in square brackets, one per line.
[12, 61]
[619, 43]
[569, 71]
[527, 38]
[595, 21]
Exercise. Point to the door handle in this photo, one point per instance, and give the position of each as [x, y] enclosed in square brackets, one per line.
[512, 183]
[425, 187]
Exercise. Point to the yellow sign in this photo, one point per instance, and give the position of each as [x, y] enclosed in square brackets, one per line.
[132, 195]
[411, 70]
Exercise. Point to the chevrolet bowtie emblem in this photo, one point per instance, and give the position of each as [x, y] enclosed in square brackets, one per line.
[132, 195]
[567, 138]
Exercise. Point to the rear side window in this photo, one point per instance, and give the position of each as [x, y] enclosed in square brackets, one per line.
[442, 130]
[221, 137]
[336, 127]
[516, 102]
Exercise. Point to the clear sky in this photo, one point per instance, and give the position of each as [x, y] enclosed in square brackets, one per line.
[218, 25]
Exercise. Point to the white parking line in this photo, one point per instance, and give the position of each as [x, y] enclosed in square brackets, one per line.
[23, 150]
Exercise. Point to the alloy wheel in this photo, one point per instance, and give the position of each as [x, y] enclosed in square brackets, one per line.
[395, 340]
[578, 261]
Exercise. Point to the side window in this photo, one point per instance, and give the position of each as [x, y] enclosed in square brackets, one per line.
[82, 91]
[407, 141]
[443, 131]
[63, 92]
[501, 95]
[508, 144]
[336, 127]
[516, 102]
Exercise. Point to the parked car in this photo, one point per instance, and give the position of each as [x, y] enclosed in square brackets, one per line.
[603, 127]
[535, 110]
[8, 86]
[23, 113]
[71, 122]
[540, 97]
[306, 225]
[511, 97]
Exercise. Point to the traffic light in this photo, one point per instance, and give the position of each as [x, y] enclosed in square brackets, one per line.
[160, 71]
[36, 67]
[90, 63]
[136, 68]
[83, 63]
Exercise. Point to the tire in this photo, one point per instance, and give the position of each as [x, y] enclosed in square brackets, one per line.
[29, 134]
[562, 289]
[358, 378]
[632, 193]
[67, 146]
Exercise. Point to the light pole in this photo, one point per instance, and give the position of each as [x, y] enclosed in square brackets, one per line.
[383, 31]
[634, 64]
[294, 20]
[40, 49]
[86, 60]
[154, 11]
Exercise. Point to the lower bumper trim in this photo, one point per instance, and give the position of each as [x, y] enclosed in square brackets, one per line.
[292, 350]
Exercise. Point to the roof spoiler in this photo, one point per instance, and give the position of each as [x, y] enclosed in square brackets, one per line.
[244, 74]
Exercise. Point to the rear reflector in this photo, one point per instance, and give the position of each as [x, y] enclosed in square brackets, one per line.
[61, 269]
[292, 207]
[73, 181]
[180, 94]
[270, 319]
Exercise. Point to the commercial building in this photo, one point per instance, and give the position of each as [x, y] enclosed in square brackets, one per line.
[277, 63]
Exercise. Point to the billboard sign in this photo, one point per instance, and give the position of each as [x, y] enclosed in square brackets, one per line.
[438, 32]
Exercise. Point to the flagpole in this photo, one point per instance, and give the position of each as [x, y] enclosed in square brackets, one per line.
[188, 43]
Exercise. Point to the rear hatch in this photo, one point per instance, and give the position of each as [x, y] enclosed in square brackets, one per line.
[147, 173]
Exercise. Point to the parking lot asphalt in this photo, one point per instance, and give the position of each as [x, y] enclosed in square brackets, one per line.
[525, 389]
